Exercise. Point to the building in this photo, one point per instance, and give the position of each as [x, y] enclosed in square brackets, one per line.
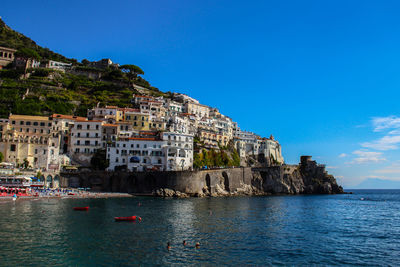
[161, 151]
[56, 65]
[20, 62]
[197, 109]
[30, 139]
[265, 150]
[184, 98]
[104, 63]
[138, 120]
[110, 114]
[85, 140]
[6, 56]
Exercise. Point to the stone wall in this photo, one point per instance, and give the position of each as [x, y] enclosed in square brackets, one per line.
[305, 178]
[189, 182]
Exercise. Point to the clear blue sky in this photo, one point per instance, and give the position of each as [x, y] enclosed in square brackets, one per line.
[315, 74]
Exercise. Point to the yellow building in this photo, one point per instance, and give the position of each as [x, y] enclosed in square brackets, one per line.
[139, 121]
[31, 138]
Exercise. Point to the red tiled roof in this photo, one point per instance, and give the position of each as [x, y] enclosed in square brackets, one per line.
[70, 117]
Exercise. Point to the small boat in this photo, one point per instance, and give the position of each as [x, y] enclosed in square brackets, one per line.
[81, 208]
[129, 218]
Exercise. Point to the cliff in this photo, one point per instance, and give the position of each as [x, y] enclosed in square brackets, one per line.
[306, 178]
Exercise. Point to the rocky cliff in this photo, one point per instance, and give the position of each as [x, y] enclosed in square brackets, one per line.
[306, 178]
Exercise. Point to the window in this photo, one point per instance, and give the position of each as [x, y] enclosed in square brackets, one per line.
[76, 150]
[42, 124]
[116, 159]
[145, 146]
[144, 161]
[21, 123]
[78, 142]
[87, 134]
[142, 124]
[159, 161]
[28, 123]
[79, 135]
[137, 146]
[88, 126]
[123, 160]
[97, 135]
[97, 127]
[12, 148]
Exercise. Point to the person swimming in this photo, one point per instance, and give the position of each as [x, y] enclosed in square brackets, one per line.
[168, 246]
[184, 242]
[197, 245]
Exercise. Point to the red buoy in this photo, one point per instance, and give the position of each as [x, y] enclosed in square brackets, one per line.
[81, 208]
[129, 218]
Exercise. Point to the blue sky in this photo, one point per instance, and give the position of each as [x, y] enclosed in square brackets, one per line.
[321, 76]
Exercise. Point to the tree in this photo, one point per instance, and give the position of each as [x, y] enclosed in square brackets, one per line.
[1, 157]
[26, 163]
[99, 160]
[85, 62]
[132, 72]
[27, 54]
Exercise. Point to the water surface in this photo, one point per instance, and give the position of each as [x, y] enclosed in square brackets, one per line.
[359, 229]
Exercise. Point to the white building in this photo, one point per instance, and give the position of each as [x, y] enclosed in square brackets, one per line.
[51, 64]
[164, 152]
[86, 139]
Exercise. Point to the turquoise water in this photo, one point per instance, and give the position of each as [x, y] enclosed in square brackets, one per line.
[278, 230]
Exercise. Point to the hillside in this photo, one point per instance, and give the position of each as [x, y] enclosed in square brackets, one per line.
[47, 91]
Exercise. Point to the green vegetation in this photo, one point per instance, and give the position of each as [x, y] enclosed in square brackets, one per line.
[224, 157]
[99, 161]
[1, 157]
[46, 91]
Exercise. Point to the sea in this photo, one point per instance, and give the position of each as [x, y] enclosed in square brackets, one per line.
[361, 229]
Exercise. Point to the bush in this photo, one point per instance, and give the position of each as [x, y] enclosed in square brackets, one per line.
[11, 74]
[41, 72]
